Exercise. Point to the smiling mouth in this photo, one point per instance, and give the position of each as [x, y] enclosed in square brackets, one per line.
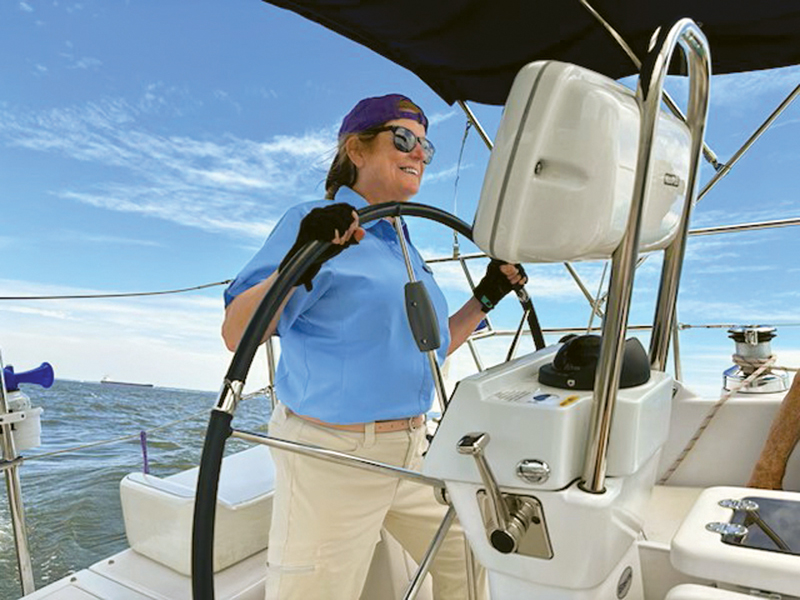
[410, 170]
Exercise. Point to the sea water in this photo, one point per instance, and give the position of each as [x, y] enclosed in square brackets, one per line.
[71, 500]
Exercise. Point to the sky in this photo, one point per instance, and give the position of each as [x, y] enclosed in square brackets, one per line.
[152, 145]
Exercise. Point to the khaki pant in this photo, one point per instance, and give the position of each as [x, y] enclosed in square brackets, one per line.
[327, 518]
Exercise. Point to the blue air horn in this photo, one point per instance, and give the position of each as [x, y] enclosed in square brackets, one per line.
[41, 375]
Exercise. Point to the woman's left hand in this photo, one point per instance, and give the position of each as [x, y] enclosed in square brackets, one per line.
[501, 278]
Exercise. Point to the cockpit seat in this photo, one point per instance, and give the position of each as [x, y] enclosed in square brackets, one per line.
[158, 511]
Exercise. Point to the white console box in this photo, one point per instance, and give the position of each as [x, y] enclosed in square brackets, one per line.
[527, 420]
[560, 178]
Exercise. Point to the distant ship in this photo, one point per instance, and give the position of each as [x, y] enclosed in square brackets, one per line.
[128, 383]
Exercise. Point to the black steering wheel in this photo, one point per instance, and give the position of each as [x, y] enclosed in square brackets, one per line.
[219, 425]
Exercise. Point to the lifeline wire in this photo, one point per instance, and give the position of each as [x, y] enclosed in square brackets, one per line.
[455, 185]
[458, 166]
[121, 295]
[134, 436]
[124, 438]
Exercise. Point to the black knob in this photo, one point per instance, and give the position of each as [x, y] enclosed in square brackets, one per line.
[503, 542]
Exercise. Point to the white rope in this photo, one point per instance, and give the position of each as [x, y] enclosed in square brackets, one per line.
[766, 364]
[754, 363]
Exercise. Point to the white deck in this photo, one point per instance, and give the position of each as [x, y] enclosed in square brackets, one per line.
[131, 576]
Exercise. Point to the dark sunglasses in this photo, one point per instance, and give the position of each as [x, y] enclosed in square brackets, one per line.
[406, 140]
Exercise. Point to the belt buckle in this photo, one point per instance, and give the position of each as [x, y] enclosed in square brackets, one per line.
[411, 425]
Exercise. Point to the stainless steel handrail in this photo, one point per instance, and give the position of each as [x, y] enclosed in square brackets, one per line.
[698, 56]
[336, 457]
[14, 491]
[433, 363]
[686, 33]
[269, 345]
[415, 585]
[676, 351]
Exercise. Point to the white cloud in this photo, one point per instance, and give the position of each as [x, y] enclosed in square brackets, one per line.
[721, 311]
[86, 63]
[785, 123]
[27, 310]
[735, 269]
[774, 210]
[168, 340]
[445, 174]
[232, 185]
[717, 248]
[740, 89]
[749, 87]
[450, 276]
[546, 281]
[224, 96]
[227, 213]
[80, 236]
[24, 6]
[437, 118]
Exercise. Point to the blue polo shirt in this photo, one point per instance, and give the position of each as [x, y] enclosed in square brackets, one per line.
[347, 353]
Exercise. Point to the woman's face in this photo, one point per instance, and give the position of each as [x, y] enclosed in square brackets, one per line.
[385, 174]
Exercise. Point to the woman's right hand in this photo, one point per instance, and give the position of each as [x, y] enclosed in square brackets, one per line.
[337, 223]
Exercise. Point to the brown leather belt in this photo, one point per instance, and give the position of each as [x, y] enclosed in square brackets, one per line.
[410, 423]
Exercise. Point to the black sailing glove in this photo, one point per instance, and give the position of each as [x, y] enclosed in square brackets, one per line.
[495, 285]
[322, 224]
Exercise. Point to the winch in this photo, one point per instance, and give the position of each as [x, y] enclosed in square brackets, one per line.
[754, 350]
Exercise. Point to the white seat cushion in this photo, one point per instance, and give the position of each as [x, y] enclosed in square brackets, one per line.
[158, 512]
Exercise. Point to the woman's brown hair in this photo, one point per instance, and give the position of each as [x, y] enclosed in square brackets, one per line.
[343, 171]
